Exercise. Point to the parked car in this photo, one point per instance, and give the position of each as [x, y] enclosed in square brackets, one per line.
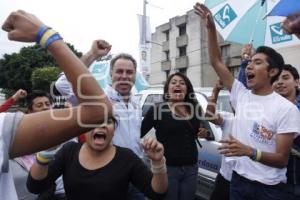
[209, 159]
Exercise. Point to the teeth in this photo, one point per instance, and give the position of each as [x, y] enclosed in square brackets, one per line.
[100, 133]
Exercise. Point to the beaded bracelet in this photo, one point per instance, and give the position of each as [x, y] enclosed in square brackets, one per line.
[160, 169]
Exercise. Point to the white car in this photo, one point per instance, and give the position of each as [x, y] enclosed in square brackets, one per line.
[209, 159]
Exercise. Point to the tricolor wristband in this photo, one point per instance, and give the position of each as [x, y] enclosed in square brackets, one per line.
[40, 34]
[41, 160]
[48, 34]
[52, 39]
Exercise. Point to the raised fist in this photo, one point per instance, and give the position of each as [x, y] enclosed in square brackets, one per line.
[22, 26]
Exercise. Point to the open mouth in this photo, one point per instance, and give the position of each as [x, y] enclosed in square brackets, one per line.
[280, 89]
[124, 84]
[250, 76]
[99, 138]
[177, 91]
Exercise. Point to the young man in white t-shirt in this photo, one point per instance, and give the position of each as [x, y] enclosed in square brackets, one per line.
[264, 126]
[25, 134]
[287, 86]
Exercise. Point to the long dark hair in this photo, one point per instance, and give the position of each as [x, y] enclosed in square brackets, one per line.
[190, 96]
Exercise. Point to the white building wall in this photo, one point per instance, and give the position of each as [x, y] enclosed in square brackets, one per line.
[199, 70]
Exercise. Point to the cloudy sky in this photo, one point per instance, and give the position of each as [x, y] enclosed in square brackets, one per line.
[80, 22]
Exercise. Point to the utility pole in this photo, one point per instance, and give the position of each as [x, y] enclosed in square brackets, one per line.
[145, 41]
[144, 46]
[144, 22]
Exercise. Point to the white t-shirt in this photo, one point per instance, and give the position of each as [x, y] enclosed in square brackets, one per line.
[226, 167]
[257, 122]
[8, 125]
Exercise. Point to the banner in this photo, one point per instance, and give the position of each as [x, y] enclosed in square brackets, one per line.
[144, 45]
[101, 72]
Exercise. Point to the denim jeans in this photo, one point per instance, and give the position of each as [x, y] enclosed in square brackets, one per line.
[242, 188]
[182, 182]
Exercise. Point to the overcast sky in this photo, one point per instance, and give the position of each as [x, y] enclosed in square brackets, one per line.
[80, 22]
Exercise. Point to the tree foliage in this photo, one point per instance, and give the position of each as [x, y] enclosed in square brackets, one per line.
[16, 69]
[42, 78]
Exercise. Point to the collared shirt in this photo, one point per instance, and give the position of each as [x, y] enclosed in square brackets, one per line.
[129, 119]
[129, 116]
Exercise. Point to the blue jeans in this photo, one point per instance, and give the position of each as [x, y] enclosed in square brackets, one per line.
[134, 193]
[242, 188]
[182, 182]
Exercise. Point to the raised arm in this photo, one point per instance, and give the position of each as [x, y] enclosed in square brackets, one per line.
[245, 58]
[45, 129]
[20, 94]
[291, 24]
[99, 49]
[213, 48]
[212, 103]
[155, 151]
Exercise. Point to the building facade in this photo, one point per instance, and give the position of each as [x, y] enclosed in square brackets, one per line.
[181, 45]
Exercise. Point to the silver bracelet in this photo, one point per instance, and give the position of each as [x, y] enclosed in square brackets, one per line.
[159, 169]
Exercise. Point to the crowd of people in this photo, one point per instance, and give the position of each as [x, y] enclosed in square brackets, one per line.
[116, 159]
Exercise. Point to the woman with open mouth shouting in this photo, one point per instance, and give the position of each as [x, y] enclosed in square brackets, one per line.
[178, 123]
[98, 169]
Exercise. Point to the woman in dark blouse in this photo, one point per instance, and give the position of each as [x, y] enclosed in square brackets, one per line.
[98, 169]
[178, 123]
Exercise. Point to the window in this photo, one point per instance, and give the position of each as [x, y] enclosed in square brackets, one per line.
[182, 70]
[182, 51]
[225, 50]
[167, 35]
[167, 73]
[150, 101]
[223, 103]
[167, 55]
[182, 29]
[234, 70]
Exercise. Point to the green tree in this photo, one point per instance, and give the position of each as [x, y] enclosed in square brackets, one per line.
[16, 69]
[42, 78]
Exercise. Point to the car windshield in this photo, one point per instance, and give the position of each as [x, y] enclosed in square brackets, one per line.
[223, 104]
[150, 101]
[156, 98]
